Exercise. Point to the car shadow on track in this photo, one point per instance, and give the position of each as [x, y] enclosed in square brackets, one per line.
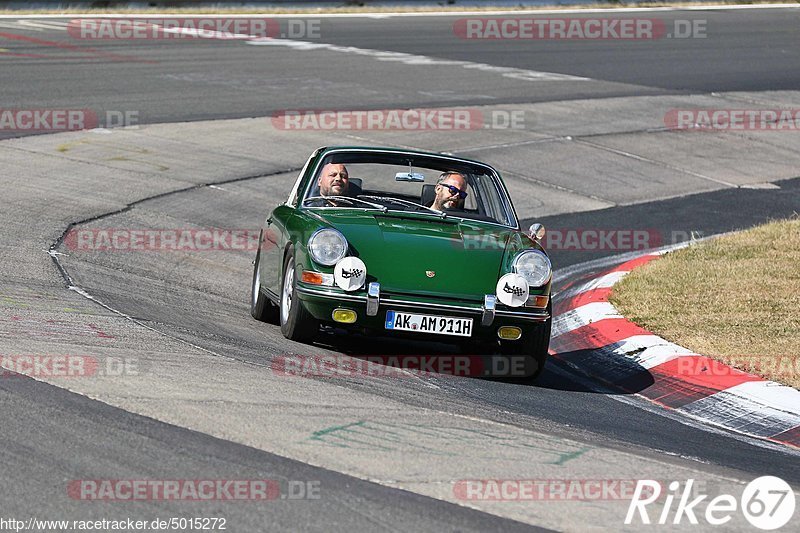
[562, 366]
[384, 357]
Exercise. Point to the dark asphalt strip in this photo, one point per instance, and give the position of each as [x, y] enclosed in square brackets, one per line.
[52, 437]
[669, 221]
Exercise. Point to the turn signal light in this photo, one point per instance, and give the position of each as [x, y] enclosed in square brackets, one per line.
[537, 301]
[345, 316]
[317, 278]
[509, 333]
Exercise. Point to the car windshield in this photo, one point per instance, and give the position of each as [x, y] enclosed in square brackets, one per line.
[408, 184]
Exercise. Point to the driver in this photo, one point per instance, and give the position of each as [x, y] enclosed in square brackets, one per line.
[451, 190]
[333, 180]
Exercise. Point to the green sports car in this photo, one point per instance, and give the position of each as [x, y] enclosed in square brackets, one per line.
[394, 242]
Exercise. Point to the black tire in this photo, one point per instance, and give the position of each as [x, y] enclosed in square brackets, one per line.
[297, 324]
[261, 308]
[534, 345]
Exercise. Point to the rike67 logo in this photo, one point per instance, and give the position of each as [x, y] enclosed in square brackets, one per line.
[767, 503]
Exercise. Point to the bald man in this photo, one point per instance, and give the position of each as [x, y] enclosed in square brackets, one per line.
[333, 180]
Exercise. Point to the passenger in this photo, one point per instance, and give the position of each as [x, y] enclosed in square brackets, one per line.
[451, 190]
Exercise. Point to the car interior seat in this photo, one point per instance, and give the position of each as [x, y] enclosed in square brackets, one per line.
[428, 195]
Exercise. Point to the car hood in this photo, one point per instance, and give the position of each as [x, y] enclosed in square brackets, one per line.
[409, 253]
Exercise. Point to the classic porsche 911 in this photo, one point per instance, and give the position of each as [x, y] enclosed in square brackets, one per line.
[404, 243]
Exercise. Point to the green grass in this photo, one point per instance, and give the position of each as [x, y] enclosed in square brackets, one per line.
[735, 298]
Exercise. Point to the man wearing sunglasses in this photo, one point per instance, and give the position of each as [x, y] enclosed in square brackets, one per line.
[451, 190]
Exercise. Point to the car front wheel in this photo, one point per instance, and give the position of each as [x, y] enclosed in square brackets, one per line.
[260, 307]
[296, 323]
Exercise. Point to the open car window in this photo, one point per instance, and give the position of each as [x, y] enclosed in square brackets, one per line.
[399, 187]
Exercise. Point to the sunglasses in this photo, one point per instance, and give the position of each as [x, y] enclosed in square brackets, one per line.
[454, 190]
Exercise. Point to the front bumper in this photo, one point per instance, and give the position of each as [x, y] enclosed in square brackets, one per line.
[321, 301]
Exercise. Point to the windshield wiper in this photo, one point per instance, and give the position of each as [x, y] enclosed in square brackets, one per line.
[406, 202]
[352, 201]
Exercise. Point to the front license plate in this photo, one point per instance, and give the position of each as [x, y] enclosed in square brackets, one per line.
[440, 325]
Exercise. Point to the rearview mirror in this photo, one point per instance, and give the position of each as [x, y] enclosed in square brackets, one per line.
[409, 176]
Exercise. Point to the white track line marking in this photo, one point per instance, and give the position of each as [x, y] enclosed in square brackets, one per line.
[606, 281]
[382, 55]
[44, 24]
[412, 59]
[585, 314]
[649, 351]
[35, 25]
[17, 26]
[603, 282]
[762, 408]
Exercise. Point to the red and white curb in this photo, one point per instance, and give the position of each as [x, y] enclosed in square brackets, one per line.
[590, 334]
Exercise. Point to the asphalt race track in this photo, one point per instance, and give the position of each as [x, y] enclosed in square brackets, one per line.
[174, 81]
[187, 386]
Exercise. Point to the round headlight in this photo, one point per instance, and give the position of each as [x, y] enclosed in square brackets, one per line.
[327, 246]
[534, 266]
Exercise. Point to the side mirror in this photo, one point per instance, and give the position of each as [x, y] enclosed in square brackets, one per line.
[536, 232]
